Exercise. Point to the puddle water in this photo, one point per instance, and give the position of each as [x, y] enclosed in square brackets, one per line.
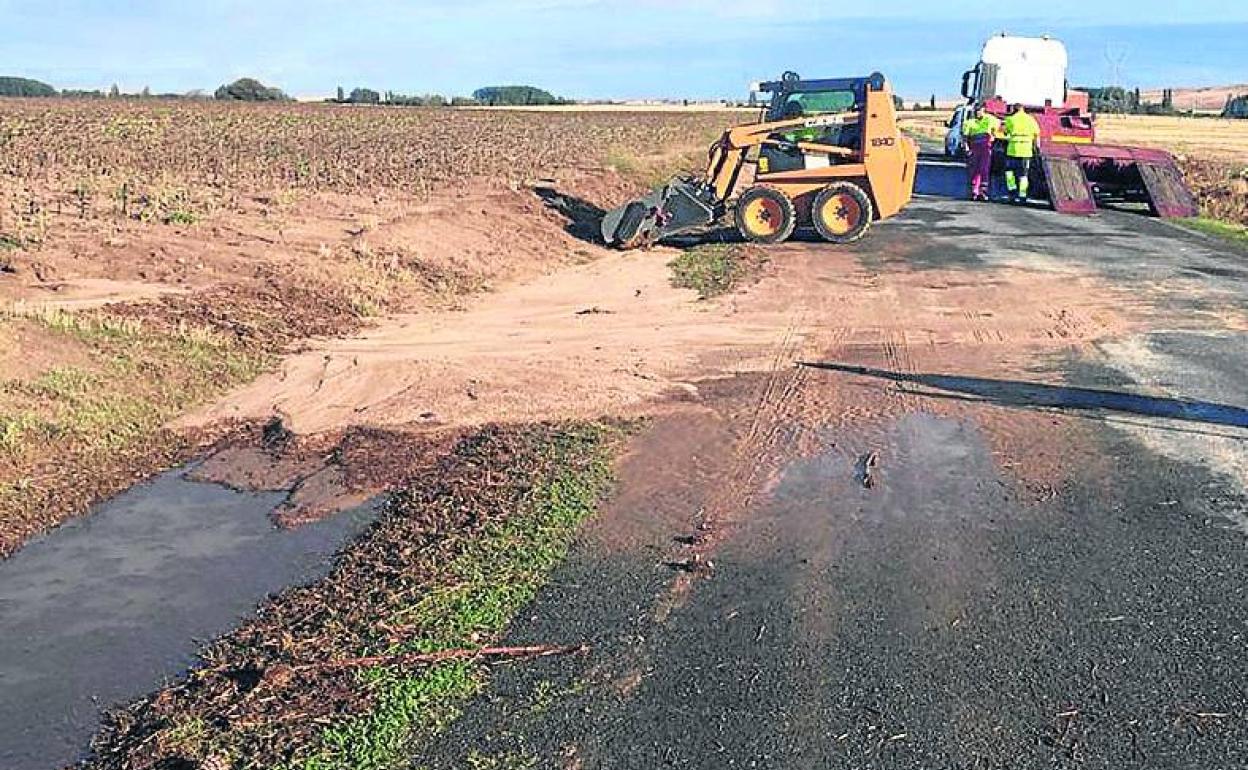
[913, 548]
[931, 469]
[104, 608]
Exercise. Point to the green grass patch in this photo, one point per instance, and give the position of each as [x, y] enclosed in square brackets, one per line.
[87, 327]
[1226, 230]
[136, 381]
[77, 429]
[714, 269]
[18, 429]
[68, 383]
[478, 592]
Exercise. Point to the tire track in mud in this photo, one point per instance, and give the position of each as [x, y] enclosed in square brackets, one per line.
[755, 460]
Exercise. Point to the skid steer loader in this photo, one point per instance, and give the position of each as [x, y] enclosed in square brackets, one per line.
[826, 153]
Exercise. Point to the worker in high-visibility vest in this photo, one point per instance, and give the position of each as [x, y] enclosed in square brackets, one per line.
[1022, 135]
[978, 131]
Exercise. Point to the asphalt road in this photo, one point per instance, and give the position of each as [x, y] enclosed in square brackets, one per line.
[1074, 597]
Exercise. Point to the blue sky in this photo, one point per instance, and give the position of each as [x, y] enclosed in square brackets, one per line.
[599, 48]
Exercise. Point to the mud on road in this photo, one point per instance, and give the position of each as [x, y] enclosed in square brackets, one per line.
[1048, 569]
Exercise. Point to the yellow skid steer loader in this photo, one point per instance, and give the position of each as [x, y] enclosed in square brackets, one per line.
[826, 154]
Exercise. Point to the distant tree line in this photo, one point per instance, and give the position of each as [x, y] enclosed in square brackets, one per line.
[12, 86]
[252, 90]
[1115, 99]
[491, 96]
[369, 96]
[1236, 107]
[24, 87]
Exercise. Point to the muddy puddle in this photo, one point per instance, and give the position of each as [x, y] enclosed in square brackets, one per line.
[103, 609]
[926, 467]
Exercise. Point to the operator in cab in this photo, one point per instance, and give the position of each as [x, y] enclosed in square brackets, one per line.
[1022, 135]
[979, 129]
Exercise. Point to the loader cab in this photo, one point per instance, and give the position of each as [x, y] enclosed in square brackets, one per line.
[820, 100]
[816, 97]
[815, 103]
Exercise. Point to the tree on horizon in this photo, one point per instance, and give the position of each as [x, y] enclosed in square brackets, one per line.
[250, 90]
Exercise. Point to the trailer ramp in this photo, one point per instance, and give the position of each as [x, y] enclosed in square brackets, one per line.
[1082, 176]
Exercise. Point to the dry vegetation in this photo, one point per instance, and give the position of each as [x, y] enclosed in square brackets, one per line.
[258, 226]
[1206, 138]
[100, 148]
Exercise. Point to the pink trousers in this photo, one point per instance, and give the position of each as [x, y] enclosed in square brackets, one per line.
[979, 165]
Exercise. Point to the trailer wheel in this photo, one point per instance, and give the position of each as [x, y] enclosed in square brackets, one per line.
[842, 212]
[765, 215]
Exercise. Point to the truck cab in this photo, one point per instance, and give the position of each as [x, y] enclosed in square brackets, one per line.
[1027, 70]
[1024, 70]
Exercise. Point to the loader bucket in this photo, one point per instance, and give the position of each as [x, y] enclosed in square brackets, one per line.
[1080, 176]
[676, 207]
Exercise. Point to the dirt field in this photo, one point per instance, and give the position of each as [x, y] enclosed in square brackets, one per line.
[1210, 99]
[1201, 138]
[226, 235]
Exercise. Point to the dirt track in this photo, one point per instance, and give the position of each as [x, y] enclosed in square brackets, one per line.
[613, 337]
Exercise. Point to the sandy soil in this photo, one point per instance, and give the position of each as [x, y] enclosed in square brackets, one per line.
[458, 241]
[612, 336]
[1208, 98]
[84, 293]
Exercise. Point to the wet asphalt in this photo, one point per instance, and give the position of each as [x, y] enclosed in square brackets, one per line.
[946, 617]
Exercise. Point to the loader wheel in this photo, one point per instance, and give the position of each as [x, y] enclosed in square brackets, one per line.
[842, 212]
[765, 215]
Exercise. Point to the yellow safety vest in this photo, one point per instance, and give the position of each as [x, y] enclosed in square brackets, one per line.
[985, 124]
[1021, 133]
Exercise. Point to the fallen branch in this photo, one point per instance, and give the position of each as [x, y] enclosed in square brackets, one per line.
[441, 656]
[867, 469]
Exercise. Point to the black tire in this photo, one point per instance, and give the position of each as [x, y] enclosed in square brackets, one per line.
[842, 212]
[765, 215]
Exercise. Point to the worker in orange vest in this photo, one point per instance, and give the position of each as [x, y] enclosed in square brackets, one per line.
[1022, 136]
[978, 131]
